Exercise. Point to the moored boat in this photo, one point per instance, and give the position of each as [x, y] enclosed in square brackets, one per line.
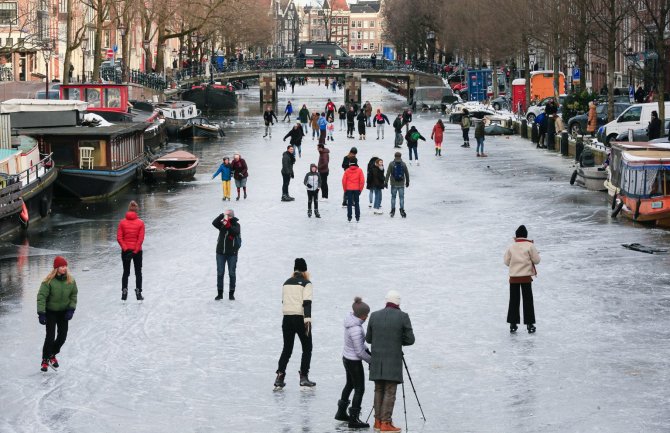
[212, 97]
[199, 127]
[176, 114]
[175, 166]
[591, 178]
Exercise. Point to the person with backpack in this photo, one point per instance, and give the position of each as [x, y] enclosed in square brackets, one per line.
[345, 165]
[313, 182]
[407, 119]
[398, 175]
[465, 127]
[438, 135]
[324, 160]
[227, 246]
[287, 112]
[56, 303]
[287, 162]
[397, 126]
[296, 135]
[225, 170]
[480, 136]
[413, 136]
[353, 183]
[130, 236]
[376, 183]
[342, 112]
[378, 121]
[351, 117]
[361, 124]
[268, 115]
[521, 258]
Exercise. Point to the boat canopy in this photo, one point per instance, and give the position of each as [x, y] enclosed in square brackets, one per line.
[34, 105]
[645, 174]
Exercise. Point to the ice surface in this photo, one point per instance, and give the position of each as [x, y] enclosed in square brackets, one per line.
[181, 362]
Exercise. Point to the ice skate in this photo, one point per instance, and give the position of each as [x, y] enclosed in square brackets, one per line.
[341, 414]
[285, 198]
[392, 213]
[45, 364]
[231, 295]
[309, 213]
[316, 214]
[279, 381]
[531, 329]
[402, 213]
[512, 328]
[304, 380]
[138, 294]
[53, 361]
[124, 294]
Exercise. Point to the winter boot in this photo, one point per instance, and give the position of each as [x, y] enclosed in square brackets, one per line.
[231, 294]
[388, 426]
[402, 213]
[138, 294]
[53, 361]
[219, 294]
[378, 424]
[341, 414]
[279, 380]
[124, 294]
[531, 329]
[304, 380]
[45, 364]
[512, 328]
[309, 213]
[316, 214]
[354, 421]
[285, 198]
[245, 193]
[392, 213]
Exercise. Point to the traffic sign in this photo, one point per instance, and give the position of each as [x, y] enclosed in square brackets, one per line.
[110, 53]
[576, 74]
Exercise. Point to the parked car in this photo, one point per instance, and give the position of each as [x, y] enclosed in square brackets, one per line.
[577, 124]
[538, 108]
[501, 103]
[635, 117]
[642, 134]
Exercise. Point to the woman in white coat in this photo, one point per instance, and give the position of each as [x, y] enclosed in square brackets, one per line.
[521, 258]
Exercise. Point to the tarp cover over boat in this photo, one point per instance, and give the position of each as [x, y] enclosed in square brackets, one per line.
[29, 105]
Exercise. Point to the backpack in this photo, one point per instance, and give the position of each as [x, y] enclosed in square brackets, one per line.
[415, 136]
[398, 171]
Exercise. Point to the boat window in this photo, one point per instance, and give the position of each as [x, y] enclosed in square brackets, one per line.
[93, 97]
[631, 115]
[73, 94]
[113, 98]
[99, 154]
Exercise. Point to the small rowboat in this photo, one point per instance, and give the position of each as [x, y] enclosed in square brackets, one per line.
[199, 127]
[175, 166]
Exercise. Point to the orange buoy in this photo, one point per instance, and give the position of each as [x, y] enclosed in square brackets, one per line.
[25, 217]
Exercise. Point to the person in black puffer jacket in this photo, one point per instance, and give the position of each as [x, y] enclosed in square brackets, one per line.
[288, 159]
[227, 246]
[296, 135]
[376, 182]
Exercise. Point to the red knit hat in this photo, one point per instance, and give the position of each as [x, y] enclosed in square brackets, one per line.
[59, 261]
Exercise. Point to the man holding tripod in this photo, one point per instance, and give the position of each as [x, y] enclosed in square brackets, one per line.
[388, 330]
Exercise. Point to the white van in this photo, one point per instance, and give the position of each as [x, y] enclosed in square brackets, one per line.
[635, 117]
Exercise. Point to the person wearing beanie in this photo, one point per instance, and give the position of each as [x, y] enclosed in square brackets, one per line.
[353, 182]
[227, 246]
[56, 302]
[398, 175]
[313, 183]
[521, 258]
[413, 136]
[353, 355]
[297, 310]
[130, 236]
[465, 127]
[407, 119]
[345, 166]
[389, 330]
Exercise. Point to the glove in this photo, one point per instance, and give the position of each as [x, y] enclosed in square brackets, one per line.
[292, 176]
[284, 140]
[42, 318]
[69, 313]
[308, 328]
[407, 185]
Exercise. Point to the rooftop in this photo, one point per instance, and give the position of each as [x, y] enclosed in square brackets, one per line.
[365, 7]
[87, 131]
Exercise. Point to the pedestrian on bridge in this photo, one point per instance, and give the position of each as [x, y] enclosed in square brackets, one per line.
[268, 117]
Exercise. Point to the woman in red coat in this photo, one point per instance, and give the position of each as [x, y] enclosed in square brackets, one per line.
[130, 236]
[437, 135]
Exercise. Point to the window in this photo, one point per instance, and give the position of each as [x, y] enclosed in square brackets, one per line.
[360, 24]
[339, 20]
[366, 35]
[93, 97]
[345, 20]
[372, 35]
[7, 13]
[360, 35]
[631, 115]
[372, 24]
[372, 45]
[62, 6]
[365, 46]
[332, 20]
[353, 48]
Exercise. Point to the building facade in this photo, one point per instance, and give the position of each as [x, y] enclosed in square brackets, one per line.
[366, 29]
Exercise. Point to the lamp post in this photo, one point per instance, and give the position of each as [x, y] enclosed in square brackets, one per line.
[531, 62]
[122, 31]
[146, 44]
[46, 52]
[430, 36]
[84, 48]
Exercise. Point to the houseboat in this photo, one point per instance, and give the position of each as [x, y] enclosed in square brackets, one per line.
[615, 163]
[93, 162]
[176, 114]
[212, 97]
[199, 127]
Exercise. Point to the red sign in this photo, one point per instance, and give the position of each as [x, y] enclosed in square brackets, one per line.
[110, 53]
[309, 63]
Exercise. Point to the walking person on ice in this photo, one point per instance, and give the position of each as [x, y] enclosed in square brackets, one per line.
[413, 137]
[296, 135]
[226, 172]
[521, 258]
[227, 247]
[437, 135]
[297, 309]
[378, 121]
[240, 173]
[130, 236]
[398, 174]
[361, 124]
[397, 126]
[287, 161]
[353, 355]
[353, 182]
[287, 112]
[465, 127]
[56, 302]
[480, 135]
[313, 183]
[268, 117]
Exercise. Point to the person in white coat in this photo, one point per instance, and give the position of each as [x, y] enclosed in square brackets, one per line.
[521, 258]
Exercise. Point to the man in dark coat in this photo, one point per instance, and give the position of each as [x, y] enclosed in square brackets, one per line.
[287, 161]
[654, 128]
[388, 330]
[227, 247]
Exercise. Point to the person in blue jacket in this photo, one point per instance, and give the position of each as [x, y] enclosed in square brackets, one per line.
[287, 112]
[225, 172]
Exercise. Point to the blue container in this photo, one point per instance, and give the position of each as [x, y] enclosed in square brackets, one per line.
[478, 83]
[389, 53]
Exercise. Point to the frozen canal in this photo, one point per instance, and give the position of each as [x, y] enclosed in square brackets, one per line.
[181, 362]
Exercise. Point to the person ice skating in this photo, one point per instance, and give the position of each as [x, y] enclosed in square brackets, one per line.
[288, 159]
[130, 236]
[353, 182]
[314, 124]
[397, 126]
[240, 174]
[287, 112]
[268, 116]
[367, 108]
[406, 119]
[378, 121]
[521, 258]
[342, 112]
[413, 136]
[465, 127]
[313, 182]
[345, 166]
[304, 118]
[297, 295]
[227, 246]
[437, 135]
[296, 136]
[225, 170]
[324, 160]
[480, 136]
[323, 124]
[56, 303]
[398, 175]
[351, 117]
[389, 329]
[376, 182]
[368, 177]
[330, 129]
[353, 355]
[330, 108]
[361, 124]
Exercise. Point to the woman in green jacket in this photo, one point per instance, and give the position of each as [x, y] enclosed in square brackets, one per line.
[56, 302]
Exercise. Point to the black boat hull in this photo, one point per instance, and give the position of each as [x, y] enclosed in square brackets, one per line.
[37, 197]
[93, 185]
[155, 138]
[211, 98]
[195, 131]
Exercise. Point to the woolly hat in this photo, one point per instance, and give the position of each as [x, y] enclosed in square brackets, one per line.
[59, 261]
[353, 150]
[360, 308]
[393, 296]
[300, 265]
[353, 161]
[521, 232]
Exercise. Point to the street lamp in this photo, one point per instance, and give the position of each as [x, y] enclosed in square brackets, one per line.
[46, 52]
[122, 32]
[84, 48]
[430, 36]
